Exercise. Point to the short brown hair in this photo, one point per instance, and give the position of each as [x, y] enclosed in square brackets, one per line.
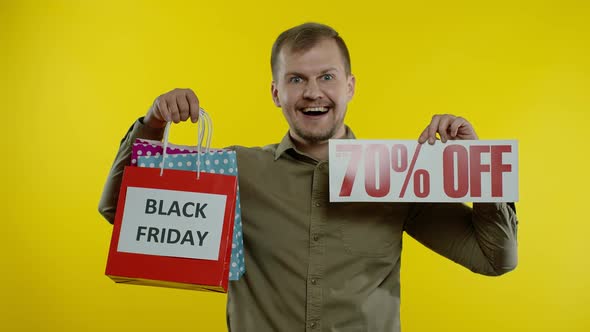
[302, 38]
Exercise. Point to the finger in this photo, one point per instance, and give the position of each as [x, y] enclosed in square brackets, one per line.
[173, 108]
[424, 135]
[183, 107]
[162, 111]
[193, 102]
[432, 129]
[455, 125]
[443, 127]
[463, 129]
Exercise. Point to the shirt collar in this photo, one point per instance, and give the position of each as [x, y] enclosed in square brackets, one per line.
[287, 143]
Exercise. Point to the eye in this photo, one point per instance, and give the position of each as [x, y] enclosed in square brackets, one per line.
[295, 79]
[327, 77]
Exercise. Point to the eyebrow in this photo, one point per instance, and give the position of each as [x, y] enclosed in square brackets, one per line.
[321, 73]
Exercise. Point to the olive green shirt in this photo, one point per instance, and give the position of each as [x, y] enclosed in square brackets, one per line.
[312, 265]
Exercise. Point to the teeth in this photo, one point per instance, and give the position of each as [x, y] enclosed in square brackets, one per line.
[315, 109]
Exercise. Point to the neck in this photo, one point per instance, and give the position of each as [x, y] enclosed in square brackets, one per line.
[317, 150]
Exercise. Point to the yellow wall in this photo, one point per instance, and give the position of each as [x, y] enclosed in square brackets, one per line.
[75, 74]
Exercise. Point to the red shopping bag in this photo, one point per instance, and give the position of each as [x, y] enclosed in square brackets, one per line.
[173, 229]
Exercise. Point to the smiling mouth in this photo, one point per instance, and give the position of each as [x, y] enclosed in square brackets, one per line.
[315, 111]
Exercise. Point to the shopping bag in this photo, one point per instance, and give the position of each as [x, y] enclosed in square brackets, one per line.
[221, 161]
[146, 147]
[173, 228]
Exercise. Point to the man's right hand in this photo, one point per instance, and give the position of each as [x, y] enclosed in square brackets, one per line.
[176, 105]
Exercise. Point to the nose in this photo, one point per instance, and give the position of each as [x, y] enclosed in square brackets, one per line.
[312, 91]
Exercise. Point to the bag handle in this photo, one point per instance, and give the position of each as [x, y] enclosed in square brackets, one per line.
[204, 124]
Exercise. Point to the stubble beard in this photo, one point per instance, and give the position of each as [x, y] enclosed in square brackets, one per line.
[320, 134]
[311, 137]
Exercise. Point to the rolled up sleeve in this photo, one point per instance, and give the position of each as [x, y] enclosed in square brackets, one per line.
[107, 206]
[482, 238]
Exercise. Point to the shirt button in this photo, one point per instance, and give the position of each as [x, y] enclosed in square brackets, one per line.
[317, 204]
[312, 325]
[316, 237]
[314, 281]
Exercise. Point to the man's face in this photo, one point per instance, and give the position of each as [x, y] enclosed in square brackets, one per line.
[313, 90]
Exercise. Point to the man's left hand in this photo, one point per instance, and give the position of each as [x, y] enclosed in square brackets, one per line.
[449, 127]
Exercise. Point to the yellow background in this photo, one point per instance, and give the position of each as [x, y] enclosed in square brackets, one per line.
[74, 75]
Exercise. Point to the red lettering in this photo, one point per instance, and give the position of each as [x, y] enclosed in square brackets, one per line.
[351, 170]
[449, 171]
[421, 177]
[498, 168]
[476, 168]
[373, 187]
[399, 157]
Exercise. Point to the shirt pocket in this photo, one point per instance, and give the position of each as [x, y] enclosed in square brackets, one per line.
[370, 229]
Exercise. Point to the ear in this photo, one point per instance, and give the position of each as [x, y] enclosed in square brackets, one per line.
[275, 94]
[350, 84]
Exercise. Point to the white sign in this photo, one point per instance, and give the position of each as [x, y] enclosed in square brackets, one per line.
[172, 223]
[405, 171]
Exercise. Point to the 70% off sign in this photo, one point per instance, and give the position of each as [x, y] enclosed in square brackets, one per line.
[405, 171]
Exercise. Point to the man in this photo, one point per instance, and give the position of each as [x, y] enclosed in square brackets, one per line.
[312, 265]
